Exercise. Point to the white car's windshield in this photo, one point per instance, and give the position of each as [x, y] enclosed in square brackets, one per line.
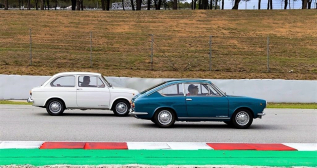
[109, 84]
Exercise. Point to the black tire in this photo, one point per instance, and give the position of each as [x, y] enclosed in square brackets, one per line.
[164, 118]
[121, 108]
[242, 119]
[55, 107]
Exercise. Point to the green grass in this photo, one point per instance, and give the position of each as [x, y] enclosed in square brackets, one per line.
[293, 105]
[14, 102]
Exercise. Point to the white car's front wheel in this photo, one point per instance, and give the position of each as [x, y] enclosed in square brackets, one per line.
[55, 107]
[121, 108]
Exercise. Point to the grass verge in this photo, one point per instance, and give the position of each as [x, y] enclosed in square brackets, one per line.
[15, 102]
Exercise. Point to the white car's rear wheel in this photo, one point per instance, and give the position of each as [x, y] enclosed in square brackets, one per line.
[55, 107]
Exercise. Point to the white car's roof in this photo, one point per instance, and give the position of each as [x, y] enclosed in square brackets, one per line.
[77, 73]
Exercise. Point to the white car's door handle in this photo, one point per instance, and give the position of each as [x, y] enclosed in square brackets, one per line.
[79, 89]
[188, 99]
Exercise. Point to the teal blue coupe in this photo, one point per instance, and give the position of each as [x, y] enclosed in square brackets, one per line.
[195, 100]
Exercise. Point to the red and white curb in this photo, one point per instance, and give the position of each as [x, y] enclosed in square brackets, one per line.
[159, 146]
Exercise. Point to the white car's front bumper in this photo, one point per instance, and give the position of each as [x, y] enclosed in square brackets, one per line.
[30, 100]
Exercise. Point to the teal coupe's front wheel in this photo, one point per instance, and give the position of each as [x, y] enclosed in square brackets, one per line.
[164, 118]
[242, 119]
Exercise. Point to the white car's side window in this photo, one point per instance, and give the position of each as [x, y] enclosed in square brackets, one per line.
[90, 81]
[64, 81]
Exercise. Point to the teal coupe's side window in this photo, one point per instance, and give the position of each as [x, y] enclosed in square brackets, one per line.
[172, 90]
[200, 89]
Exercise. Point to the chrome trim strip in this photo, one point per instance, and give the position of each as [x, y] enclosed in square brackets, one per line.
[210, 118]
[261, 114]
[139, 113]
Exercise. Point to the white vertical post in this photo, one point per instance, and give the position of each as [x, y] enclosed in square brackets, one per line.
[268, 54]
[210, 53]
[30, 46]
[90, 49]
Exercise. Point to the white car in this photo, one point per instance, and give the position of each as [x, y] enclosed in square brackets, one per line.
[81, 90]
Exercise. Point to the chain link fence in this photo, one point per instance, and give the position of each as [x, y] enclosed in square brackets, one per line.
[158, 52]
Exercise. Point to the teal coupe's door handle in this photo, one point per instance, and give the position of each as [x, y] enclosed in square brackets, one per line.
[188, 99]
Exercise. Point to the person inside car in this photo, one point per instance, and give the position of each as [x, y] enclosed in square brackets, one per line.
[193, 90]
[86, 82]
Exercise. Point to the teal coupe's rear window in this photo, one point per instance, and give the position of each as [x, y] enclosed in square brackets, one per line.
[146, 90]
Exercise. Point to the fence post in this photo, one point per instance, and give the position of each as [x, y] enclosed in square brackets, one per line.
[268, 54]
[210, 53]
[30, 46]
[90, 49]
[152, 41]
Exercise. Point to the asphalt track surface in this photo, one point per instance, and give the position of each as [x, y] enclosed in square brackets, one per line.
[28, 123]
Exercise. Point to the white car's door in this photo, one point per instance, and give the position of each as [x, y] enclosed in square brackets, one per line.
[62, 87]
[92, 92]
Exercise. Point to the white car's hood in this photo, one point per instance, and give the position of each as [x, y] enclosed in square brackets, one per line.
[124, 90]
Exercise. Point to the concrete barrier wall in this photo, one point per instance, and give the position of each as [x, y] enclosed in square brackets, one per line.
[303, 91]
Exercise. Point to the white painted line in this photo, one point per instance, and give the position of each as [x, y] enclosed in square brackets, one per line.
[303, 146]
[21, 144]
[188, 145]
[147, 145]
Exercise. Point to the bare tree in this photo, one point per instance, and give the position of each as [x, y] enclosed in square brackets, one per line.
[259, 5]
[216, 4]
[285, 4]
[78, 5]
[6, 5]
[123, 4]
[236, 4]
[29, 4]
[269, 4]
[138, 4]
[55, 4]
[48, 4]
[74, 4]
[175, 5]
[36, 4]
[222, 4]
[132, 5]
[42, 4]
[309, 4]
[148, 4]
[107, 5]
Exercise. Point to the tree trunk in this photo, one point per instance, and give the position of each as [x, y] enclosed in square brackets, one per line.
[285, 4]
[175, 5]
[123, 5]
[74, 4]
[304, 4]
[132, 5]
[259, 5]
[216, 4]
[271, 4]
[22, 4]
[103, 5]
[42, 4]
[159, 4]
[82, 4]
[211, 6]
[55, 4]
[148, 4]
[236, 5]
[309, 4]
[36, 4]
[6, 5]
[48, 4]
[138, 4]
[77, 4]
[107, 5]
[199, 4]
[223, 4]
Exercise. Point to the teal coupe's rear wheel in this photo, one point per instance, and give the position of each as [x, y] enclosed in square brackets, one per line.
[164, 118]
[242, 118]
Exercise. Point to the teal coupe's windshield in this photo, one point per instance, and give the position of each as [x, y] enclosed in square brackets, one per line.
[223, 93]
[152, 87]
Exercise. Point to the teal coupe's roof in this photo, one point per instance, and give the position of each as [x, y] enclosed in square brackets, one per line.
[188, 80]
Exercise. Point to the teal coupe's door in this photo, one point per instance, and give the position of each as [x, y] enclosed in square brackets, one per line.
[203, 101]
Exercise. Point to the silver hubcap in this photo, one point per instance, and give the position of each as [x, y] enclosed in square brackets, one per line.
[121, 108]
[165, 117]
[55, 107]
[242, 118]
